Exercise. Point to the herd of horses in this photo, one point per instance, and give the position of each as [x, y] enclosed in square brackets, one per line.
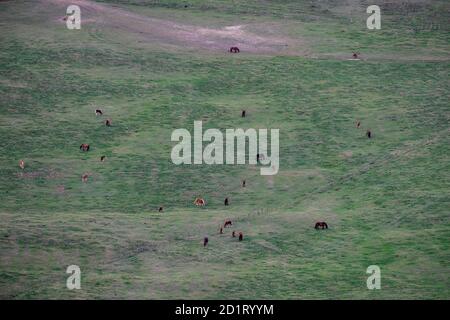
[200, 201]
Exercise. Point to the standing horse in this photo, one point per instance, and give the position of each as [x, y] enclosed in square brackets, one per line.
[321, 225]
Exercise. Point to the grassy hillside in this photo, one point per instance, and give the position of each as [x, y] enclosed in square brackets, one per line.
[386, 199]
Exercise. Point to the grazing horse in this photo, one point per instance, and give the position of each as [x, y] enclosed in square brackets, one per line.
[234, 50]
[227, 223]
[102, 158]
[84, 147]
[241, 236]
[226, 202]
[160, 209]
[233, 234]
[205, 241]
[243, 114]
[84, 177]
[321, 225]
[98, 112]
[21, 164]
[108, 122]
[200, 202]
[369, 134]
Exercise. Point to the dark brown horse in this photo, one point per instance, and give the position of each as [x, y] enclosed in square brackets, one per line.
[321, 225]
[241, 236]
[227, 223]
[234, 50]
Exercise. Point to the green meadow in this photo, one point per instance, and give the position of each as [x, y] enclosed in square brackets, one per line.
[386, 199]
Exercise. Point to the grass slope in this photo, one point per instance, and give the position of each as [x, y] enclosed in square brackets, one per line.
[386, 199]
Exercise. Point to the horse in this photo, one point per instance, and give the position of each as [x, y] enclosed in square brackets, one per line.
[321, 225]
[241, 236]
[200, 202]
[22, 164]
[227, 223]
[98, 112]
[226, 202]
[234, 50]
[205, 241]
[84, 147]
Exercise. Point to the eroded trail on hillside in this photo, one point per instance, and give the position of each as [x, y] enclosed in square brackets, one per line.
[261, 40]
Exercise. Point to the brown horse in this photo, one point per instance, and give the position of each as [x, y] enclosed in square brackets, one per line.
[199, 202]
[22, 164]
[234, 50]
[241, 236]
[84, 177]
[84, 147]
[98, 112]
[227, 223]
[160, 209]
[369, 134]
[321, 225]
[108, 122]
[205, 241]
[226, 202]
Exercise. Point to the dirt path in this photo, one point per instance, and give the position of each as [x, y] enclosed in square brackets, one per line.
[165, 32]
